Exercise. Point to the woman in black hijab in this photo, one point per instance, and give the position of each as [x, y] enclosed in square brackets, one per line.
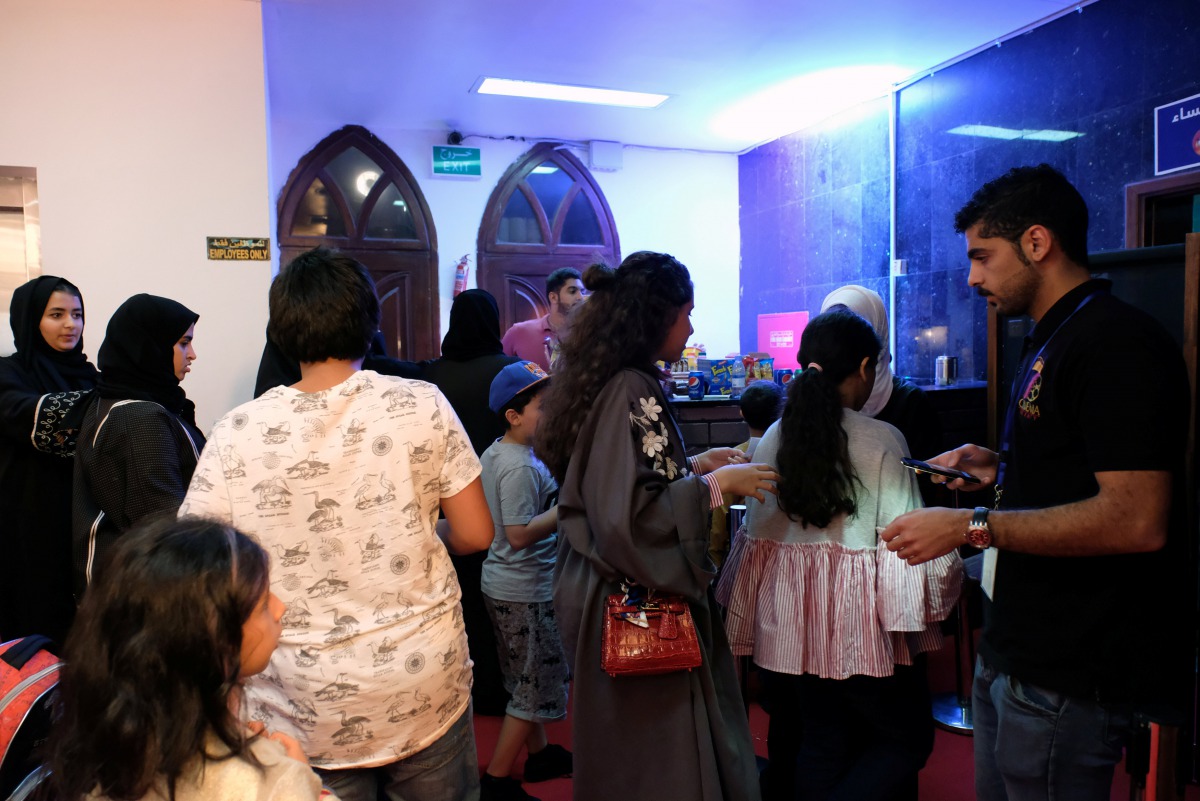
[138, 445]
[471, 357]
[48, 375]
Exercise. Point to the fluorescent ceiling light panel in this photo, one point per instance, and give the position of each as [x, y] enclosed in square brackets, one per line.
[569, 94]
[994, 132]
[986, 131]
[1050, 136]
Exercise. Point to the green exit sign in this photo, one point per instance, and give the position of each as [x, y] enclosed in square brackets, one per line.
[451, 160]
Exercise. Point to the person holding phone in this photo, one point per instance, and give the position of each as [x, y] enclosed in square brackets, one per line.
[917, 466]
[1085, 572]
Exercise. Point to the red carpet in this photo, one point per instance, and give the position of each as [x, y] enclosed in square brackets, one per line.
[948, 776]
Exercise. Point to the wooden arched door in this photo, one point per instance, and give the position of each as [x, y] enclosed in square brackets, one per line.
[546, 212]
[351, 192]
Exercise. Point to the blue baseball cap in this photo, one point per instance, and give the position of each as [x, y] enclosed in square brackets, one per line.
[514, 379]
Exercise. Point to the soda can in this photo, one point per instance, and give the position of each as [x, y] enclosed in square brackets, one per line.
[783, 377]
[945, 371]
[696, 385]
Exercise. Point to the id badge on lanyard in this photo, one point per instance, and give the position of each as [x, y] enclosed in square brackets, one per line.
[988, 580]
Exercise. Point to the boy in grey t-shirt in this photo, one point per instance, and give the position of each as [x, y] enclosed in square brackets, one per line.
[517, 587]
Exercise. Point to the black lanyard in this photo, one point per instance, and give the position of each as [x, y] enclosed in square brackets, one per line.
[1018, 388]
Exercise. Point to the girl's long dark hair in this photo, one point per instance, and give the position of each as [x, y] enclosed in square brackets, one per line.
[622, 324]
[152, 659]
[816, 477]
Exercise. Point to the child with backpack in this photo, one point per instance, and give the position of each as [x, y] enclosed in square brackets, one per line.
[150, 695]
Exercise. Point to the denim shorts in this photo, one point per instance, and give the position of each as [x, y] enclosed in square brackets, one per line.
[531, 658]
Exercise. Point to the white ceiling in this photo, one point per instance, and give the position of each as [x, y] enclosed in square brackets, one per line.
[410, 64]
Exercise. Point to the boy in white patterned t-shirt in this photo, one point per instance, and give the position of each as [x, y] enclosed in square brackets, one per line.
[341, 476]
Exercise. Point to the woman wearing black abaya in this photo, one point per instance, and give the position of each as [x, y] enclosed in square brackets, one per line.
[48, 372]
[138, 445]
[471, 357]
[634, 508]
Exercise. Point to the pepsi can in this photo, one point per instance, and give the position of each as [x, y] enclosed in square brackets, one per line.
[783, 377]
[696, 385]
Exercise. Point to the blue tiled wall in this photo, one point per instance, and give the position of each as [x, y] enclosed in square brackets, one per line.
[814, 215]
[815, 204]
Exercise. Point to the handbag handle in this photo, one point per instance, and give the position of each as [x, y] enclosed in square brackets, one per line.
[666, 612]
[668, 628]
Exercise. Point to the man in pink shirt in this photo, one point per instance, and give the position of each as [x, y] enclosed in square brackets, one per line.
[536, 340]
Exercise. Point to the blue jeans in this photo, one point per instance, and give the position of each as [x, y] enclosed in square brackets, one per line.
[1034, 744]
[448, 770]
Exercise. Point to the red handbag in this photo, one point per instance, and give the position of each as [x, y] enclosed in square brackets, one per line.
[668, 642]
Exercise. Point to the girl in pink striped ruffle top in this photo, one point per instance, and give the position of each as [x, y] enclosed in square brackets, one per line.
[835, 623]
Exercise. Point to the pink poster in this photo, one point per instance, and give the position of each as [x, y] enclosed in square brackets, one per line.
[779, 335]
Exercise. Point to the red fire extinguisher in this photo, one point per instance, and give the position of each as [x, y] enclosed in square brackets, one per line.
[460, 275]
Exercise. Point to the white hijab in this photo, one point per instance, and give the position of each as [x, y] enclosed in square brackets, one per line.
[867, 304]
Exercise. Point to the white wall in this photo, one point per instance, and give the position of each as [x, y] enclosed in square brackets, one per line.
[683, 203]
[146, 122]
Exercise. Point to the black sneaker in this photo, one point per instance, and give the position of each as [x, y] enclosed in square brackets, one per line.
[502, 788]
[551, 762]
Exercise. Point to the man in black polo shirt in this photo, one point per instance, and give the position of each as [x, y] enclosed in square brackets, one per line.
[1085, 564]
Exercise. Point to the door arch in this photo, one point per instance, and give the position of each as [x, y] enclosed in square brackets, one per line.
[546, 212]
[351, 192]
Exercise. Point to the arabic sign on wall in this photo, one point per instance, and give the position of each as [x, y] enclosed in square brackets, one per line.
[779, 335]
[231, 248]
[450, 160]
[1177, 135]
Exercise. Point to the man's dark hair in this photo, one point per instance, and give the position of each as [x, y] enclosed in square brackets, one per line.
[1025, 196]
[520, 401]
[761, 404]
[323, 306]
[556, 279]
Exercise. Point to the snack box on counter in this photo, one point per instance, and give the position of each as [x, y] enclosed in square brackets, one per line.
[723, 376]
[731, 375]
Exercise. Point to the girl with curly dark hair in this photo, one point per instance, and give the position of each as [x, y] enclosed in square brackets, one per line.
[835, 623]
[150, 692]
[633, 507]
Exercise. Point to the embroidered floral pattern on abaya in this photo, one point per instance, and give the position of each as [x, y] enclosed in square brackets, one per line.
[656, 444]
